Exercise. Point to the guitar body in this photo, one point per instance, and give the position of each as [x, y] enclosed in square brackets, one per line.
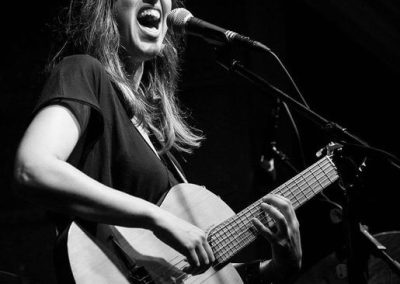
[112, 254]
[109, 254]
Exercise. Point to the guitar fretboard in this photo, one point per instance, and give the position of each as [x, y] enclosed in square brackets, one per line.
[237, 232]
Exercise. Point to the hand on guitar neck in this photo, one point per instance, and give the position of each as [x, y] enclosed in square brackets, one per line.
[283, 236]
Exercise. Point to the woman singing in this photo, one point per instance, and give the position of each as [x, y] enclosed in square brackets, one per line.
[98, 146]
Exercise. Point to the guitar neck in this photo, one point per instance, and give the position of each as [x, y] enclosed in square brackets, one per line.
[234, 234]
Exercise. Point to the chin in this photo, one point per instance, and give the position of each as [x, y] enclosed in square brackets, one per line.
[146, 51]
[152, 52]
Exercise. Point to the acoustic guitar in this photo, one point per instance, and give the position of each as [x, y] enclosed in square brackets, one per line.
[113, 254]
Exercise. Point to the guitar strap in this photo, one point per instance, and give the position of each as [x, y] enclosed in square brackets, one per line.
[169, 161]
[173, 166]
[174, 170]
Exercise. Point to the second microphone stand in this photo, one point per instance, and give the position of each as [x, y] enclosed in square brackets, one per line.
[356, 232]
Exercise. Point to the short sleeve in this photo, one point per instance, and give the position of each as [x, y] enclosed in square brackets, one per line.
[75, 83]
[79, 110]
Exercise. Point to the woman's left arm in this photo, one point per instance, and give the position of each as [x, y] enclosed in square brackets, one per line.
[284, 238]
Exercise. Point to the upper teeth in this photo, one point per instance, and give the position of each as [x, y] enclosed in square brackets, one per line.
[150, 12]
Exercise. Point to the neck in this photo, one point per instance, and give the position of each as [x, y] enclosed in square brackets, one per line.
[135, 73]
[134, 70]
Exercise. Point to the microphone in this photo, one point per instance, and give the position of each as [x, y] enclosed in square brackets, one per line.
[182, 21]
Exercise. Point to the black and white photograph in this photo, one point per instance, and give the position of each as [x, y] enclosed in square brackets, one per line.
[181, 141]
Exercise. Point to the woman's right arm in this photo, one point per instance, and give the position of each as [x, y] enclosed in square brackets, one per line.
[44, 176]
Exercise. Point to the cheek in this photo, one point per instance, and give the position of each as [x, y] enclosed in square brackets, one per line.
[125, 24]
[124, 16]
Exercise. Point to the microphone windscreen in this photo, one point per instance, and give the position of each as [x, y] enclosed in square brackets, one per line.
[177, 18]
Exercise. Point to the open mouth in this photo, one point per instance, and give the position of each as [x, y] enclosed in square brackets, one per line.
[149, 18]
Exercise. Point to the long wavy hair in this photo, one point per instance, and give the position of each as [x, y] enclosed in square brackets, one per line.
[91, 28]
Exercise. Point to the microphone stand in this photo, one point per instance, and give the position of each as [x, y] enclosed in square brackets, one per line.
[356, 236]
[379, 250]
[271, 151]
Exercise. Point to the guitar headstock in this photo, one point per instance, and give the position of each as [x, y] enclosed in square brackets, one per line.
[329, 150]
[350, 168]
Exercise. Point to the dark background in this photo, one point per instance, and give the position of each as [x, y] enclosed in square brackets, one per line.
[344, 56]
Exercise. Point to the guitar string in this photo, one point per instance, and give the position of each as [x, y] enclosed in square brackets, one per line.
[240, 235]
[150, 279]
[165, 271]
[222, 236]
[250, 208]
[262, 214]
[238, 242]
[288, 186]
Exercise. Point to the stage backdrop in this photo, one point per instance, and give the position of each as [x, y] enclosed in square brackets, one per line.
[345, 58]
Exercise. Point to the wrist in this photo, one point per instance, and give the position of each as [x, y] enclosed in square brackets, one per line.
[153, 218]
[161, 221]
